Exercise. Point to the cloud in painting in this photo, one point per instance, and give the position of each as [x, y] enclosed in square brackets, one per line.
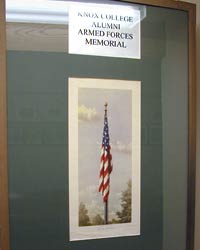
[122, 147]
[87, 114]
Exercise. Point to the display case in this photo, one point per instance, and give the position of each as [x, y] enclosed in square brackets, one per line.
[97, 125]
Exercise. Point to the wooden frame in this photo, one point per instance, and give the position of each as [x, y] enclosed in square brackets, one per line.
[4, 212]
[4, 209]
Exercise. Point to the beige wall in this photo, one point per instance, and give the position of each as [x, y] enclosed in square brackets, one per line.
[197, 225]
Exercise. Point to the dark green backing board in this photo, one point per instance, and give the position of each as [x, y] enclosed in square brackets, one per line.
[38, 139]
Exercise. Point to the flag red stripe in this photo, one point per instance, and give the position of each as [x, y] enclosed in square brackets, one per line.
[105, 170]
[105, 185]
[101, 187]
[105, 198]
[101, 172]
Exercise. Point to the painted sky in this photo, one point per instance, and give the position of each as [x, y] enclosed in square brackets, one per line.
[91, 120]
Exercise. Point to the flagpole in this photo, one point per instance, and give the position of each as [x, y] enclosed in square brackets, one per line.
[106, 212]
[106, 202]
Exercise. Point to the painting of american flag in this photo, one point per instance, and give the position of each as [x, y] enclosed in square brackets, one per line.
[104, 164]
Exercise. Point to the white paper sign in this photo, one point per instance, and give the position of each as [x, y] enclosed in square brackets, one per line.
[104, 30]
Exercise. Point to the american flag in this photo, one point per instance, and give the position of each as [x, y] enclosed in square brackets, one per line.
[106, 161]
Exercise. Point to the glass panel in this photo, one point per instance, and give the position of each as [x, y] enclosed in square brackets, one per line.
[38, 68]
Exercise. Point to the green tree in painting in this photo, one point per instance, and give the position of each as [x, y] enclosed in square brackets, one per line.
[114, 221]
[125, 214]
[84, 219]
[97, 220]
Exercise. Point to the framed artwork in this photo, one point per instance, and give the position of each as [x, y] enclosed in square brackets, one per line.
[97, 125]
[104, 158]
